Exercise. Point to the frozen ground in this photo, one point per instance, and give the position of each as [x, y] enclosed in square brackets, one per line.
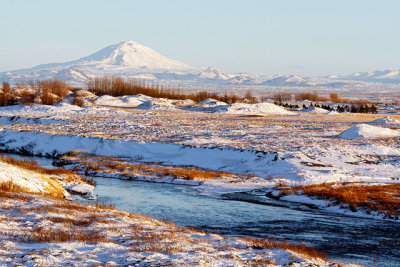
[295, 148]
[46, 231]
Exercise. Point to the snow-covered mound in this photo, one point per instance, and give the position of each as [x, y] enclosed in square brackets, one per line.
[39, 110]
[210, 102]
[122, 101]
[161, 104]
[368, 131]
[85, 190]
[7, 120]
[387, 120]
[332, 112]
[315, 110]
[253, 109]
[31, 181]
[206, 105]
[57, 110]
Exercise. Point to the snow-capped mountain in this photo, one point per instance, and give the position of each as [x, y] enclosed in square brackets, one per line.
[291, 80]
[385, 76]
[132, 60]
[128, 55]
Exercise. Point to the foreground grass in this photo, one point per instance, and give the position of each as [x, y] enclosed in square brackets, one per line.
[384, 199]
[100, 229]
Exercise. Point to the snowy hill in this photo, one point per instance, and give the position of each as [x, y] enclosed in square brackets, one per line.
[385, 76]
[132, 60]
[287, 81]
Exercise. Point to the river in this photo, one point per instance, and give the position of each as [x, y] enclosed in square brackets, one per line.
[342, 238]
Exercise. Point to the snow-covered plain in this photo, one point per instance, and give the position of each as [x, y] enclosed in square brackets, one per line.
[275, 146]
[294, 148]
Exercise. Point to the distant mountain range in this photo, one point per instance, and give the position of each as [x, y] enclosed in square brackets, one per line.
[132, 60]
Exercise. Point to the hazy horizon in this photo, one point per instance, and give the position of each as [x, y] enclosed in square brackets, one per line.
[308, 38]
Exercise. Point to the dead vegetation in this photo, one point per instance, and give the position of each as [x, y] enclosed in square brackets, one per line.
[32, 165]
[332, 97]
[41, 235]
[57, 221]
[100, 164]
[382, 198]
[299, 248]
[45, 92]
[117, 86]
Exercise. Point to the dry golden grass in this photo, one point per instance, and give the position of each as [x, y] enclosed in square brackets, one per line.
[74, 222]
[65, 206]
[58, 235]
[32, 165]
[53, 185]
[79, 222]
[53, 189]
[380, 198]
[300, 248]
[9, 186]
[91, 163]
[11, 190]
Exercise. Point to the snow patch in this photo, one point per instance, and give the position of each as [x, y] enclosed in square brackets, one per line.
[368, 131]
[387, 120]
[84, 190]
[253, 109]
[315, 110]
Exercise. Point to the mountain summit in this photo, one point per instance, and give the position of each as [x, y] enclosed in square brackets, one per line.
[128, 54]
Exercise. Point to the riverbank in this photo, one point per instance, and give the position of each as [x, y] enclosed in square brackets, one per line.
[44, 229]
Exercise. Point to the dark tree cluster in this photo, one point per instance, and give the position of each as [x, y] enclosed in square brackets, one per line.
[339, 108]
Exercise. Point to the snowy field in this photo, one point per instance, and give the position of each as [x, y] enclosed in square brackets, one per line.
[272, 144]
[254, 148]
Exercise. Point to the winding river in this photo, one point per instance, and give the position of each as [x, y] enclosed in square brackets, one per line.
[342, 238]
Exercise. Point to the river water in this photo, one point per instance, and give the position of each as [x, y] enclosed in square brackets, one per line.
[342, 238]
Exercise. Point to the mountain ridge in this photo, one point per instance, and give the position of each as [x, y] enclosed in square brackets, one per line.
[130, 59]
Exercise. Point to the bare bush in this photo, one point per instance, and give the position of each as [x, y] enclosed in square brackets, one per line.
[116, 86]
[281, 97]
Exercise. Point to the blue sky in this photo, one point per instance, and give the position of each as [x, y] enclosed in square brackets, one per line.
[307, 37]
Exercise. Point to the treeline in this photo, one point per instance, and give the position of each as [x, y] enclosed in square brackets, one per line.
[45, 92]
[117, 86]
[339, 108]
[282, 97]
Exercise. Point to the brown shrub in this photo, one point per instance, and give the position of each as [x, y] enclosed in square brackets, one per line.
[9, 186]
[27, 97]
[380, 198]
[78, 101]
[32, 165]
[307, 96]
[299, 248]
[281, 96]
[117, 86]
[58, 235]
[109, 165]
[334, 97]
